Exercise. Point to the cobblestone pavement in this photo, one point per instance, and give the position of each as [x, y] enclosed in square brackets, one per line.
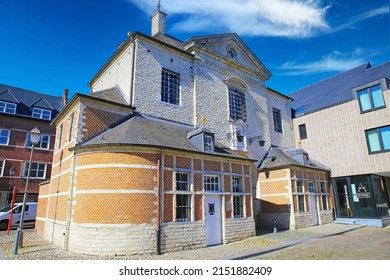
[310, 243]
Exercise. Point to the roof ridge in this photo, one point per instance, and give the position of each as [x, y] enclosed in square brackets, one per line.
[367, 65]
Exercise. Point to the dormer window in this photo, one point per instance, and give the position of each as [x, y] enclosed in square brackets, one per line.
[40, 113]
[7, 107]
[208, 143]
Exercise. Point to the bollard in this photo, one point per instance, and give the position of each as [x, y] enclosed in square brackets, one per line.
[275, 227]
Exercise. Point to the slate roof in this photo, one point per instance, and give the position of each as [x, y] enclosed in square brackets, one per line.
[337, 89]
[146, 131]
[26, 99]
[278, 157]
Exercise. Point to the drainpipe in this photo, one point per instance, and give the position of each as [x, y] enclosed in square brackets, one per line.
[158, 226]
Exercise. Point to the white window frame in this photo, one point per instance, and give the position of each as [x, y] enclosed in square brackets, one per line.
[39, 144]
[70, 127]
[59, 136]
[8, 137]
[2, 166]
[208, 143]
[237, 191]
[187, 193]
[214, 181]
[4, 106]
[39, 113]
[32, 175]
[312, 186]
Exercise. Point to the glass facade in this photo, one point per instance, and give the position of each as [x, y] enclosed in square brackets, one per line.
[364, 196]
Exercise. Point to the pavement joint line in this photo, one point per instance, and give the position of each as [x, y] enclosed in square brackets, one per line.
[289, 244]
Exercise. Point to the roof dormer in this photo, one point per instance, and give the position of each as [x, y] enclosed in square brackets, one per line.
[203, 139]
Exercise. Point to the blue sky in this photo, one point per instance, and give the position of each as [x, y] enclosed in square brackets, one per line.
[47, 46]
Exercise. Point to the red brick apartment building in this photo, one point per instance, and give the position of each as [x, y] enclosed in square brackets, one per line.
[21, 110]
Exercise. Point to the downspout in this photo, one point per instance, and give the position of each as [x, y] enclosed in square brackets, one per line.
[159, 188]
[70, 203]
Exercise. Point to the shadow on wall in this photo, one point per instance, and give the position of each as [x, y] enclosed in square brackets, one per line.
[272, 216]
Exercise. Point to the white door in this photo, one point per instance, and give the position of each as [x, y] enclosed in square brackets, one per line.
[314, 209]
[213, 216]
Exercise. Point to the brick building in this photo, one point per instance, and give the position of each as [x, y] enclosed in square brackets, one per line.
[295, 190]
[22, 110]
[166, 144]
[344, 122]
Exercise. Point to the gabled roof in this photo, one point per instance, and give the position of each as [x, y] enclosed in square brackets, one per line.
[8, 96]
[278, 157]
[42, 103]
[26, 99]
[140, 130]
[339, 88]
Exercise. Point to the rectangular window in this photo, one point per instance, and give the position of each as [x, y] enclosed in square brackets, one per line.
[301, 203]
[4, 136]
[237, 105]
[7, 107]
[70, 127]
[183, 207]
[208, 143]
[312, 187]
[182, 181]
[59, 136]
[44, 142]
[40, 113]
[170, 87]
[302, 131]
[2, 165]
[371, 98]
[183, 201]
[277, 120]
[299, 187]
[324, 202]
[211, 183]
[38, 170]
[378, 139]
[238, 200]
[323, 187]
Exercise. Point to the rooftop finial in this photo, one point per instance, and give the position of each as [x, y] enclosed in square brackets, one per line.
[158, 5]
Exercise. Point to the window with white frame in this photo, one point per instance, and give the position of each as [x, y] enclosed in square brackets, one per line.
[4, 136]
[312, 187]
[44, 142]
[300, 196]
[170, 87]
[40, 113]
[277, 115]
[237, 105]
[7, 107]
[238, 197]
[182, 200]
[70, 127]
[38, 170]
[59, 136]
[208, 143]
[371, 98]
[2, 166]
[211, 183]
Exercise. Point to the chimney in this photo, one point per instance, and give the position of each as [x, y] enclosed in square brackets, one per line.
[158, 21]
[66, 93]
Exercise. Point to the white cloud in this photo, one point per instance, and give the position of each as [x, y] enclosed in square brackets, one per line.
[363, 16]
[285, 18]
[334, 62]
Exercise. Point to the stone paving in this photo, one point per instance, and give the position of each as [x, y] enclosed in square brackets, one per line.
[348, 242]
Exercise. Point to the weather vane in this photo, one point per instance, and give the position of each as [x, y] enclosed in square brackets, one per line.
[202, 120]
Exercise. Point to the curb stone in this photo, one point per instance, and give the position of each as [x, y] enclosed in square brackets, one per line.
[289, 244]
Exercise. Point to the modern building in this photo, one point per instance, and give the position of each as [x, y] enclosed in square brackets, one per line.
[22, 110]
[162, 154]
[344, 123]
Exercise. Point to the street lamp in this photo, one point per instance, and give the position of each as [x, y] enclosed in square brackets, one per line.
[35, 134]
[12, 172]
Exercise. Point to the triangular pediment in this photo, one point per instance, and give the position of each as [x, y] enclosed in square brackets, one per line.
[8, 97]
[231, 49]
